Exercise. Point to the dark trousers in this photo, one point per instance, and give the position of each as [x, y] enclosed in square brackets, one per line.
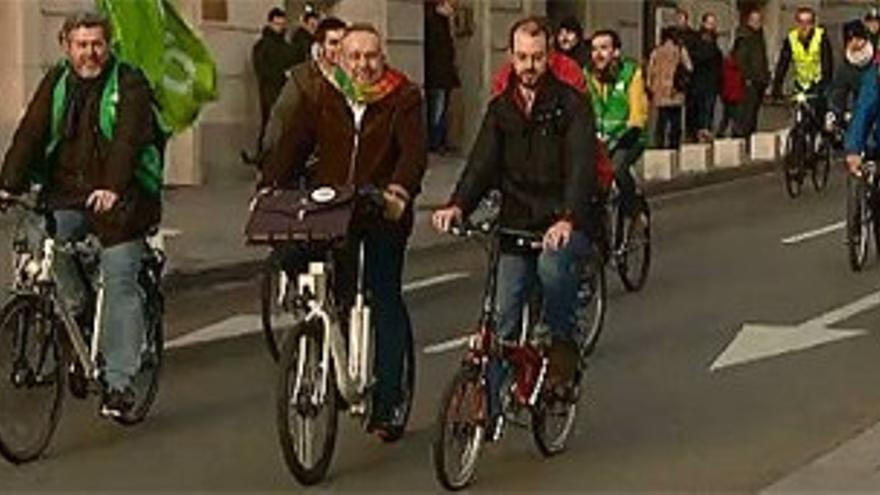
[624, 159]
[749, 108]
[668, 131]
[700, 112]
[438, 116]
[728, 119]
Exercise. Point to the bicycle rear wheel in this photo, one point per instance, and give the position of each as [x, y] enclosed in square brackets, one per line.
[592, 305]
[307, 420]
[858, 223]
[460, 430]
[793, 164]
[32, 379]
[632, 246]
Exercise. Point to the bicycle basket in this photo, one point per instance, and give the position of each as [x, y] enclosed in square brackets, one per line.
[323, 213]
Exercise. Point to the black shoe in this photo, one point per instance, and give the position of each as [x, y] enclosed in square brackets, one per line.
[117, 403]
[388, 427]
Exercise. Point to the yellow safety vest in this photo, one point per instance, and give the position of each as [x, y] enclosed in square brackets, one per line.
[807, 62]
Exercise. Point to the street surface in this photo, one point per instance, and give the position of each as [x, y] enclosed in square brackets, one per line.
[752, 351]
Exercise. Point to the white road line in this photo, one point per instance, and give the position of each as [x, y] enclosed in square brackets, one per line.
[432, 281]
[247, 324]
[449, 345]
[812, 234]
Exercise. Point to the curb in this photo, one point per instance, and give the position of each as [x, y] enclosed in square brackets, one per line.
[180, 281]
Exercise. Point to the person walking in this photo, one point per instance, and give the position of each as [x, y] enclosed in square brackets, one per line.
[441, 75]
[665, 60]
[750, 53]
[705, 84]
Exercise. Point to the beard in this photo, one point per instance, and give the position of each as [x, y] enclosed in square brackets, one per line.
[528, 78]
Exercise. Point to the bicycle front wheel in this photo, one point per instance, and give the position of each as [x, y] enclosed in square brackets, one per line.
[32, 379]
[307, 411]
[632, 246]
[822, 162]
[793, 164]
[858, 223]
[460, 429]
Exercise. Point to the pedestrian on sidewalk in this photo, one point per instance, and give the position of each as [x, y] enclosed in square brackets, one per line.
[272, 57]
[705, 84]
[441, 74]
[369, 130]
[750, 53]
[303, 38]
[732, 94]
[666, 59]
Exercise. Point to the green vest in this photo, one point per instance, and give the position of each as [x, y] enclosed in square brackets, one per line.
[807, 62]
[149, 172]
[612, 108]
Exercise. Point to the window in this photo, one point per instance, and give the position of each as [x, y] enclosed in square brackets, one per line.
[215, 10]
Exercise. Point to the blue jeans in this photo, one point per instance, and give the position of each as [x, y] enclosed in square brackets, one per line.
[123, 324]
[438, 127]
[558, 274]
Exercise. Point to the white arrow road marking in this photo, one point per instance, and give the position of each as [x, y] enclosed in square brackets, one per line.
[812, 234]
[246, 324]
[758, 341]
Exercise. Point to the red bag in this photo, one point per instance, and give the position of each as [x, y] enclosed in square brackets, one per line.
[604, 167]
[732, 84]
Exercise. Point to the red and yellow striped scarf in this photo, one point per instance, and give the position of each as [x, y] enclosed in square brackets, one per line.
[369, 93]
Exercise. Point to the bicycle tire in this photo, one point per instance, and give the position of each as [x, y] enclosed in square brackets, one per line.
[307, 473]
[146, 382]
[466, 388]
[633, 281]
[793, 164]
[857, 226]
[552, 444]
[27, 308]
[592, 305]
[822, 164]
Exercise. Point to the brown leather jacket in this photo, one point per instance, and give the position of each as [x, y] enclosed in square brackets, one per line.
[85, 160]
[388, 149]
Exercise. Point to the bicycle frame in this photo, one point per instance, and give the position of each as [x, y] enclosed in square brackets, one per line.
[353, 366]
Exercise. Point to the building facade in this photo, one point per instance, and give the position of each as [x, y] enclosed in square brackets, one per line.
[28, 31]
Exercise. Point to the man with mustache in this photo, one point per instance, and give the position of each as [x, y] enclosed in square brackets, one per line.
[89, 136]
[537, 144]
[367, 126]
[620, 105]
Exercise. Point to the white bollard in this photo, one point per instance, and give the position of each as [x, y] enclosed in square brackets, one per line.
[694, 158]
[658, 165]
[764, 146]
[729, 153]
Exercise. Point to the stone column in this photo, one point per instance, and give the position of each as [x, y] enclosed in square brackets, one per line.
[12, 80]
[183, 158]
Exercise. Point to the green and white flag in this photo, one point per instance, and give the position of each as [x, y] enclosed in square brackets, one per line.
[153, 36]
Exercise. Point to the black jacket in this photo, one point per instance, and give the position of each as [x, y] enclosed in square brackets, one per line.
[301, 41]
[707, 59]
[272, 56]
[785, 58]
[750, 52]
[580, 54]
[543, 164]
[440, 70]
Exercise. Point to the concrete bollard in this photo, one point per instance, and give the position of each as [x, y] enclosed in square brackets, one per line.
[728, 153]
[694, 158]
[658, 165]
[764, 146]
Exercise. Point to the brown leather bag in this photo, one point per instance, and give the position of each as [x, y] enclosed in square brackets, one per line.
[323, 213]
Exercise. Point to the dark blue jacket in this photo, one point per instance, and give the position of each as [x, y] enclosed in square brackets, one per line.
[865, 113]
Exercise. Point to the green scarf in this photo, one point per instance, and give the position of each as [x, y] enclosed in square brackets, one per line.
[368, 93]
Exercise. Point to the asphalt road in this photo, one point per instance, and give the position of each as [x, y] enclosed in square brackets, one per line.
[655, 417]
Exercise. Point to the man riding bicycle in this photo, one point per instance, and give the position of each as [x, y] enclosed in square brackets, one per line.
[809, 47]
[620, 106]
[90, 138]
[537, 144]
[864, 120]
[366, 125]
